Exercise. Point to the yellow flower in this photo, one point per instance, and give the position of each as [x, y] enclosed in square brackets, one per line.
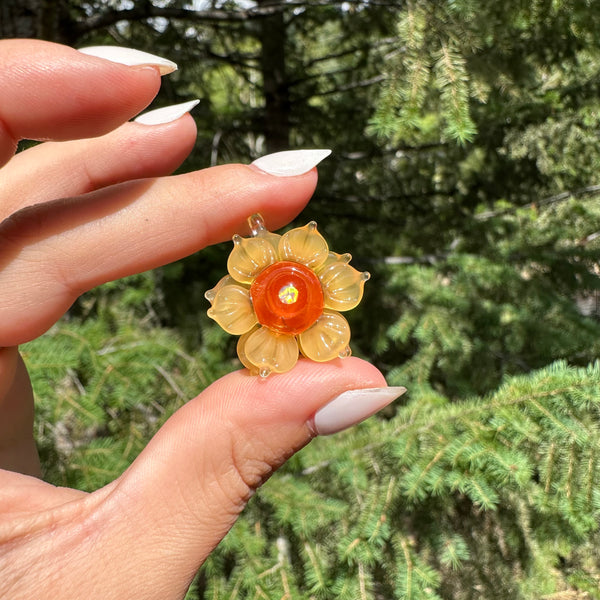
[283, 295]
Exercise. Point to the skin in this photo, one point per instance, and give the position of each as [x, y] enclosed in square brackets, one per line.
[93, 204]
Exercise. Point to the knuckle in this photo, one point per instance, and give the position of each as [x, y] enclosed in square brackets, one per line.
[250, 464]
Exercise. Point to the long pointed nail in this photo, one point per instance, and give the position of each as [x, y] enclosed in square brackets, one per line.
[290, 162]
[352, 407]
[131, 57]
[166, 114]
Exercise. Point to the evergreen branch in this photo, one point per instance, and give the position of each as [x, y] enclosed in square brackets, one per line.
[316, 567]
[418, 79]
[455, 552]
[559, 424]
[172, 383]
[591, 475]
[79, 408]
[453, 79]
[475, 408]
[570, 470]
[383, 516]
[362, 582]
[475, 473]
[590, 190]
[259, 593]
[236, 588]
[524, 516]
[409, 567]
[286, 585]
[485, 498]
[355, 542]
[412, 491]
[550, 462]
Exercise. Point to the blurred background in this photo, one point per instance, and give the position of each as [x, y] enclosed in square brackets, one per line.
[465, 178]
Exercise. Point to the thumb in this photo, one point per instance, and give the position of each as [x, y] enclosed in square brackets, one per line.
[186, 489]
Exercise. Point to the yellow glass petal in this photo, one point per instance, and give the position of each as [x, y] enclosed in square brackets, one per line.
[342, 285]
[259, 230]
[270, 352]
[232, 309]
[241, 351]
[304, 245]
[327, 339]
[271, 238]
[227, 280]
[249, 257]
[334, 257]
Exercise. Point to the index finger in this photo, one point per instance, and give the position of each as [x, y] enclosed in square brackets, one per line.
[52, 252]
[50, 91]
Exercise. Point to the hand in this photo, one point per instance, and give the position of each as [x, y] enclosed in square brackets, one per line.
[94, 205]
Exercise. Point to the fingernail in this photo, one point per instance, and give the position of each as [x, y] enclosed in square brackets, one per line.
[166, 114]
[131, 57]
[290, 162]
[353, 407]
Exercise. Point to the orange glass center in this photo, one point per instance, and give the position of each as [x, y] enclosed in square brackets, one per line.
[287, 297]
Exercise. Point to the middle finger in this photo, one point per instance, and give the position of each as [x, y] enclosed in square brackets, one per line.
[60, 169]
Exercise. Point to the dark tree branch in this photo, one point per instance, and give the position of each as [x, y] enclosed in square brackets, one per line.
[325, 75]
[148, 10]
[350, 51]
[586, 191]
[343, 88]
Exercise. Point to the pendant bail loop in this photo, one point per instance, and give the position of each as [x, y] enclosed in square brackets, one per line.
[256, 224]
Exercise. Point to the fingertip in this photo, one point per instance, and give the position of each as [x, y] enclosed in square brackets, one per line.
[51, 91]
[286, 197]
[131, 57]
[290, 163]
[166, 114]
[295, 396]
[177, 138]
[247, 191]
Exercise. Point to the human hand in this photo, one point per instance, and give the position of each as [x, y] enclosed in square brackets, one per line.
[91, 206]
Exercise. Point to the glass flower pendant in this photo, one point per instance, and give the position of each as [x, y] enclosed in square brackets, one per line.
[283, 295]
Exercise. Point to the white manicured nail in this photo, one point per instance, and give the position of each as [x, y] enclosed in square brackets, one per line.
[290, 162]
[353, 407]
[131, 57]
[166, 114]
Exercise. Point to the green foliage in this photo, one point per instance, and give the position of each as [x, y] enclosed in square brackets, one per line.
[455, 57]
[472, 318]
[425, 503]
[105, 384]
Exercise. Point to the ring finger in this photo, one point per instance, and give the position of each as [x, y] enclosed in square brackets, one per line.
[59, 169]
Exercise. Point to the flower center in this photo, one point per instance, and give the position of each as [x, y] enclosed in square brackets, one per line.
[287, 297]
[288, 294]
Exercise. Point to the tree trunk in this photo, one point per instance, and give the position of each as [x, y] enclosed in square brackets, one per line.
[272, 36]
